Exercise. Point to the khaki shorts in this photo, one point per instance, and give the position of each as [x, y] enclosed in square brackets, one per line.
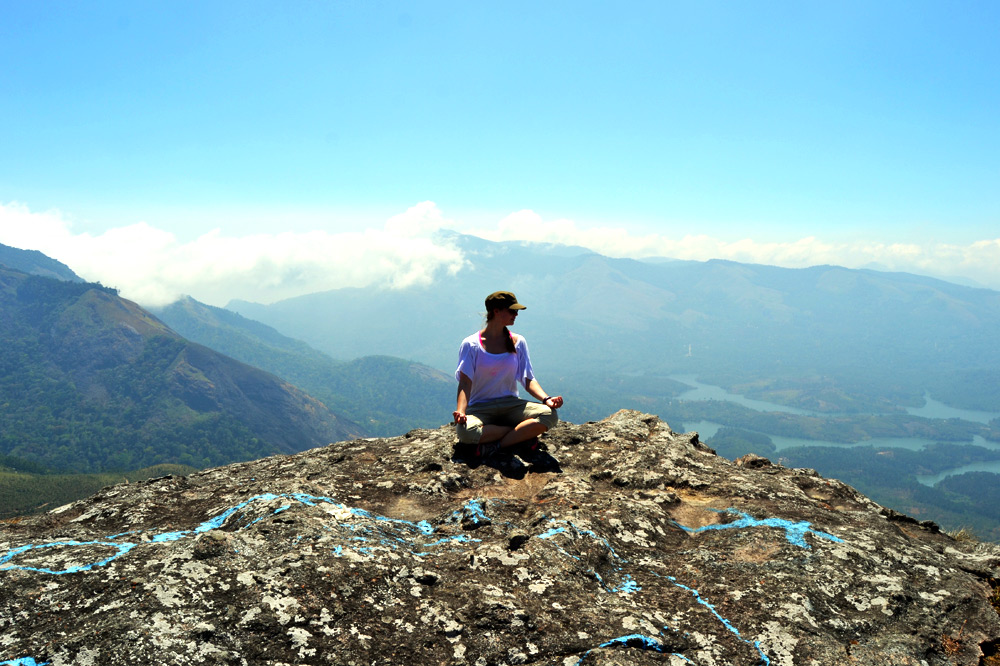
[505, 412]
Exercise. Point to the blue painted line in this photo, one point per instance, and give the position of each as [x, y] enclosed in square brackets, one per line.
[794, 532]
[459, 538]
[310, 500]
[123, 547]
[607, 544]
[252, 523]
[724, 621]
[423, 526]
[634, 641]
[700, 600]
[578, 531]
[476, 509]
[629, 586]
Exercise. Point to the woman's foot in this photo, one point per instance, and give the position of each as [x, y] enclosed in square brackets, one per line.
[487, 450]
[528, 446]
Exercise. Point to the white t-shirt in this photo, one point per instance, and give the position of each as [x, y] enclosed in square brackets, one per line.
[493, 375]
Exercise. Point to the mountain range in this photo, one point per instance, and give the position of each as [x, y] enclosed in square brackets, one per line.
[384, 395]
[91, 381]
[826, 338]
[91, 389]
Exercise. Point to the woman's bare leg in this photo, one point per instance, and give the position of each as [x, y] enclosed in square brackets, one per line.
[493, 433]
[522, 431]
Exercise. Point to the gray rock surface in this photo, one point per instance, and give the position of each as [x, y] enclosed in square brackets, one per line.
[625, 543]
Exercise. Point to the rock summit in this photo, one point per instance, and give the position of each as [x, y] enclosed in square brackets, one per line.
[622, 542]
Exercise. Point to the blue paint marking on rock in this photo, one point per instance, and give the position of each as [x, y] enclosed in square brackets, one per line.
[794, 532]
[726, 623]
[552, 532]
[636, 641]
[475, 509]
[121, 548]
[393, 539]
[628, 586]
[407, 533]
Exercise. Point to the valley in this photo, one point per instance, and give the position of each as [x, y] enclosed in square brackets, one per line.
[756, 359]
[936, 480]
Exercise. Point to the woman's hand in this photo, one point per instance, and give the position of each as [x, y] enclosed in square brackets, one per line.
[553, 401]
[458, 416]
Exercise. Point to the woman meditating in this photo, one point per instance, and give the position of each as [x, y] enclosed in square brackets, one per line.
[489, 412]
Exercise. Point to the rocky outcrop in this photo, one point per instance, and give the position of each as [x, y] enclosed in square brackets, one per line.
[624, 543]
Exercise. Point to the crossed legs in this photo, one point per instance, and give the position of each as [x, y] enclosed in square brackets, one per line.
[508, 436]
[508, 421]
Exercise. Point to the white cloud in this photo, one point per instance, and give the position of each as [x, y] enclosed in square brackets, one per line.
[152, 267]
[978, 262]
[421, 220]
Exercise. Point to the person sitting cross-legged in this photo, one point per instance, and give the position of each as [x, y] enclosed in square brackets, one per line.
[489, 412]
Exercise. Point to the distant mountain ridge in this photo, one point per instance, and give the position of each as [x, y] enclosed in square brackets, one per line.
[34, 262]
[859, 335]
[93, 382]
[384, 395]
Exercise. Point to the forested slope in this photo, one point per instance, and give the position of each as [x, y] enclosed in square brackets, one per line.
[91, 382]
[385, 395]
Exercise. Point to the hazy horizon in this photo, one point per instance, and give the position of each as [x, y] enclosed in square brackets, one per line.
[260, 152]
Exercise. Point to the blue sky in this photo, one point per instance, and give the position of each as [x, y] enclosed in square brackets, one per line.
[141, 135]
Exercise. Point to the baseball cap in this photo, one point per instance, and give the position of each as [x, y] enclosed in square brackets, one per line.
[502, 299]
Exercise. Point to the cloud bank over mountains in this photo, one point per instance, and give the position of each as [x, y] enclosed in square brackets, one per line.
[153, 267]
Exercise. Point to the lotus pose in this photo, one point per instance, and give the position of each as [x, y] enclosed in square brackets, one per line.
[489, 412]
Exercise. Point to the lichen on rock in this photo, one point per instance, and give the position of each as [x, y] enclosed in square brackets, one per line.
[622, 543]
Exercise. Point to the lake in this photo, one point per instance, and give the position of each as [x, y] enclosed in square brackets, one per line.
[706, 429]
[709, 392]
[931, 479]
[931, 409]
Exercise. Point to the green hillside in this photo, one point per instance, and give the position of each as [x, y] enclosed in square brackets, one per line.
[34, 262]
[385, 395]
[23, 493]
[91, 382]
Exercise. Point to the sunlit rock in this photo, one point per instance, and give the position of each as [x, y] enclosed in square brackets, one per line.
[623, 543]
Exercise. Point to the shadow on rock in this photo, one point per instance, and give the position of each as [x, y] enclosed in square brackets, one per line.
[514, 464]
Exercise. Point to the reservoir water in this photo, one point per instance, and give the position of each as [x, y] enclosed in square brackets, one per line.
[706, 429]
[931, 479]
[931, 409]
[709, 392]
